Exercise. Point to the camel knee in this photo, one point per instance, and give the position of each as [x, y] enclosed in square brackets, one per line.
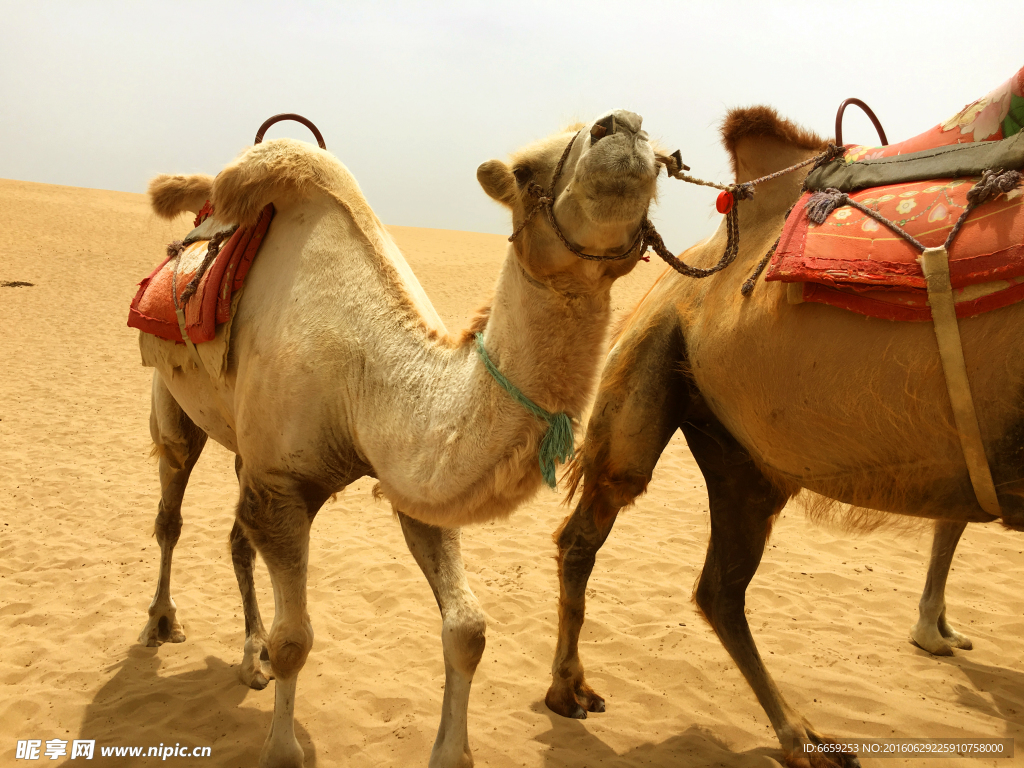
[589, 525]
[288, 647]
[715, 600]
[167, 528]
[464, 639]
[591, 522]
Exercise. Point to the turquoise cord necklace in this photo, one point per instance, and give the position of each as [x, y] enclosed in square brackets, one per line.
[558, 440]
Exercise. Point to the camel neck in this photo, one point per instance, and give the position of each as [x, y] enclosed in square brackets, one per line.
[546, 343]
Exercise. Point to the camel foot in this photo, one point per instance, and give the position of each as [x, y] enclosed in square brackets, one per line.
[939, 640]
[574, 700]
[281, 753]
[255, 670]
[817, 751]
[162, 628]
[458, 758]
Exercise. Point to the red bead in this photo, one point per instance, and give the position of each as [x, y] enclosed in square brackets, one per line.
[724, 202]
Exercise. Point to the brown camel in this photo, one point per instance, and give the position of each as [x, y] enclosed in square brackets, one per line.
[772, 398]
[933, 632]
[339, 368]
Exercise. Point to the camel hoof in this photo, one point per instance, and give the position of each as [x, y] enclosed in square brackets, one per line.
[563, 701]
[255, 671]
[955, 639]
[460, 757]
[588, 698]
[963, 643]
[934, 647]
[255, 680]
[276, 755]
[161, 629]
[938, 639]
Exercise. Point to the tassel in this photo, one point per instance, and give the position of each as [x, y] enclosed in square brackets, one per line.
[558, 441]
[822, 204]
[558, 444]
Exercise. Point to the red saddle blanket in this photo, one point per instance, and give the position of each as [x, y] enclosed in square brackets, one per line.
[854, 262]
[152, 309]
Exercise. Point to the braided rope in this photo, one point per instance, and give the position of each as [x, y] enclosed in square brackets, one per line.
[211, 254]
[743, 191]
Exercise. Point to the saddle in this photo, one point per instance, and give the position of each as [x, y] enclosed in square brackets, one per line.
[200, 276]
[854, 262]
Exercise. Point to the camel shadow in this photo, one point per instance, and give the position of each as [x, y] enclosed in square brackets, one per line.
[139, 707]
[572, 745]
[1004, 686]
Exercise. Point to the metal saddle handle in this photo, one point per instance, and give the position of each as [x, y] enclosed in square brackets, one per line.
[867, 111]
[290, 116]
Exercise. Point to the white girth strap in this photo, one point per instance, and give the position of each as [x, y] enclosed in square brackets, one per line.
[935, 264]
[192, 351]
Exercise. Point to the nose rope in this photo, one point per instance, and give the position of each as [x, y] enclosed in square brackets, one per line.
[647, 236]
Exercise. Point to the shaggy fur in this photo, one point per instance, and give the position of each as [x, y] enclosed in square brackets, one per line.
[763, 122]
[171, 195]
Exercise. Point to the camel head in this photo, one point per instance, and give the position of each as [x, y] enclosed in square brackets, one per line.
[604, 186]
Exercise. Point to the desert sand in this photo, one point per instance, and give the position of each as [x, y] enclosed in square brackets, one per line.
[78, 566]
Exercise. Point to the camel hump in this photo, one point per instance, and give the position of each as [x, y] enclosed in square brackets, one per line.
[171, 195]
[280, 171]
[762, 122]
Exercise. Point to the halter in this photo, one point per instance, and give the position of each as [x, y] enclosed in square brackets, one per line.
[546, 200]
[646, 237]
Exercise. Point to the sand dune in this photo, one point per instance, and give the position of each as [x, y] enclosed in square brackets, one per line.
[78, 563]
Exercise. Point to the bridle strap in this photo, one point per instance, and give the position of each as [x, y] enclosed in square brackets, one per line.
[546, 200]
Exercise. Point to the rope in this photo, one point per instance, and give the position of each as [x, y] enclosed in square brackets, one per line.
[558, 441]
[739, 192]
[992, 182]
[748, 285]
[212, 249]
[647, 236]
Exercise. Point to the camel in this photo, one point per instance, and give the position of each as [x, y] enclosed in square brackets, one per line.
[340, 368]
[772, 398]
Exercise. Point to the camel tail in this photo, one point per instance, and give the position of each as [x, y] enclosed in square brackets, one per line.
[279, 171]
[171, 195]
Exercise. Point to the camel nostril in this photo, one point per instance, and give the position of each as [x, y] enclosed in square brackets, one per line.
[603, 127]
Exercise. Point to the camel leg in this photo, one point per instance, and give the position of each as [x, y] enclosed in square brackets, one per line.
[743, 506]
[636, 413]
[276, 521]
[932, 632]
[255, 670]
[178, 442]
[439, 555]
[579, 538]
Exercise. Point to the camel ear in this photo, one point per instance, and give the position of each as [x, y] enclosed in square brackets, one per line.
[497, 180]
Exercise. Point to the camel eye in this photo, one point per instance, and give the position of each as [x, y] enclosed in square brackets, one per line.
[522, 174]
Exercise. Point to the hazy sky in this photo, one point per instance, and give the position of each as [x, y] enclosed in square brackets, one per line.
[413, 96]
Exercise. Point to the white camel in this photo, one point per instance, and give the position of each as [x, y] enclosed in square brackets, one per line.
[340, 368]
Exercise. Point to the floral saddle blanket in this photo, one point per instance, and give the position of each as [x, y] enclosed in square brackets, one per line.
[191, 291]
[854, 262]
